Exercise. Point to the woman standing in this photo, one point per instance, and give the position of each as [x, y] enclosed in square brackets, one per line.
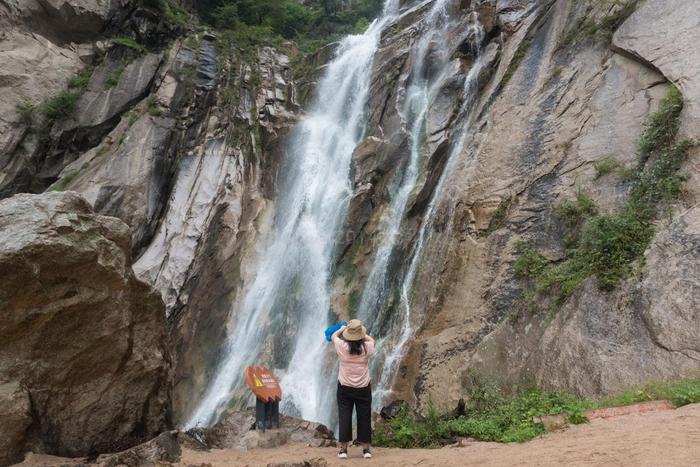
[354, 347]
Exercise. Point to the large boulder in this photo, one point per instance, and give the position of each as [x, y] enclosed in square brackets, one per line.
[84, 363]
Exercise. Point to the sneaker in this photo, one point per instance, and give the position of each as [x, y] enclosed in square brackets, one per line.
[343, 454]
[366, 453]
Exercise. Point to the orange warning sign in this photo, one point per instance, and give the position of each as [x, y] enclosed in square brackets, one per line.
[263, 384]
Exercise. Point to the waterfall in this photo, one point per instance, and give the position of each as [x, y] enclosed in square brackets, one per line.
[291, 285]
[419, 97]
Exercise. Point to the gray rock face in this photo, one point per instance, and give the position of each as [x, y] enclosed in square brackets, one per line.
[536, 141]
[63, 20]
[103, 101]
[85, 363]
[601, 343]
[665, 35]
[33, 69]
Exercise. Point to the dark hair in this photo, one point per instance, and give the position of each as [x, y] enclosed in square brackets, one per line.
[356, 347]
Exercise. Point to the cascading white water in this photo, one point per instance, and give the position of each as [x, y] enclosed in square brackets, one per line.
[292, 275]
[420, 96]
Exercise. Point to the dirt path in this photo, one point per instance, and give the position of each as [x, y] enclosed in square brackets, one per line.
[668, 438]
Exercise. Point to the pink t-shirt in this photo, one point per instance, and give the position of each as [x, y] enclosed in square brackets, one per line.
[354, 369]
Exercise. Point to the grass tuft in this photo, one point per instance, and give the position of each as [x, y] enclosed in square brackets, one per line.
[605, 166]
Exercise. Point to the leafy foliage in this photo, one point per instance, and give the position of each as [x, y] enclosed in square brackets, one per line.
[490, 416]
[173, 12]
[153, 107]
[114, 77]
[605, 166]
[62, 183]
[680, 393]
[574, 214]
[498, 216]
[292, 19]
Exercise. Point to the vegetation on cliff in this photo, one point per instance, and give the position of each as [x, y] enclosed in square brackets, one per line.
[608, 244]
[291, 19]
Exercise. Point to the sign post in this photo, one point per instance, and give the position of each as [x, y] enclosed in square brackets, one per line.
[268, 395]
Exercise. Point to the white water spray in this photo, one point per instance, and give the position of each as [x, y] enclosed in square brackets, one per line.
[394, 346]
[292, 276]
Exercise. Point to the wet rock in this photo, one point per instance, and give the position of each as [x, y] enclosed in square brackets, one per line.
[83, 338]
[392, 410]
[163, 448]
[236, 430]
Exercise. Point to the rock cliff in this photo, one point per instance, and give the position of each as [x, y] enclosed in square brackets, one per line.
[182, 133]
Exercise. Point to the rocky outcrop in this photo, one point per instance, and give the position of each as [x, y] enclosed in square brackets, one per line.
[69, 80]
[600, 343]
[545, 121]
[85, 360]
[236, 431]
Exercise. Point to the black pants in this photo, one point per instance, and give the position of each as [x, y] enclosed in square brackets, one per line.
[361, 399]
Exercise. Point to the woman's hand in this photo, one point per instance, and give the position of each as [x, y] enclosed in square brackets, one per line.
[337, 333]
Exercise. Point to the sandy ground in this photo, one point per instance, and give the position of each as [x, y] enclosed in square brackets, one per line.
[664, 439]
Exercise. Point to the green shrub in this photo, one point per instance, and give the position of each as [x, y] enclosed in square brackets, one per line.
[574, 214]
[605, 166]
[530, 262]
[610, 243]
[498, 216]
[490, 416]
[291, 19]
[587, 28]
[26, 110]
[663, 125]
[62, 183]
[61, 105]
[680, 393]
[685, 392]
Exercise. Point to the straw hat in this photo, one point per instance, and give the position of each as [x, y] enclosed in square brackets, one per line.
[355, 331]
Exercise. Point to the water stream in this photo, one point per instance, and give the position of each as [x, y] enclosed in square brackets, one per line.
[291, 285]
[420, 96]
[287, 304]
